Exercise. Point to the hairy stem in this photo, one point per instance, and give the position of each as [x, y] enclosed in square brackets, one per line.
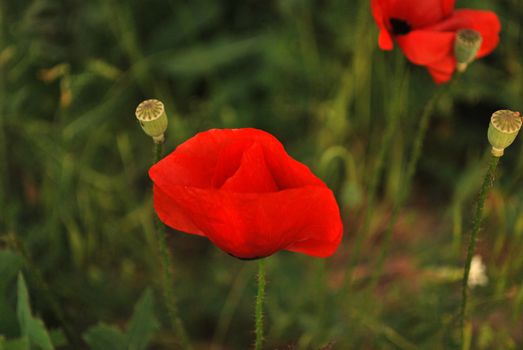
[168, 276]
[4, 178]
[488, 181]
[260, 297]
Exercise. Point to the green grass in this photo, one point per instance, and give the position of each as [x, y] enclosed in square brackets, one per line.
[74, 187]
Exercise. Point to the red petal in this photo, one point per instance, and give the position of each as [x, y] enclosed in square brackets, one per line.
[287, 172]
[385, 40]
[253, 175]
[208, 159]
[171, 214]
[442, 71]
[425, 47]
[485, 22]
[447, 6]
[439, 77]
[193, 163]
[229, 160]
[305, 220]
[416, 13]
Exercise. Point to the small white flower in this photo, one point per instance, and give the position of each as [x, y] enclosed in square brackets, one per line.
[477, 275]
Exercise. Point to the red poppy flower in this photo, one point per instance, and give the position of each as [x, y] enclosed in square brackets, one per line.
[241, 190]
[425, 31]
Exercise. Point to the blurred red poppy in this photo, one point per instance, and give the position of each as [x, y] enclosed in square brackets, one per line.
[425, 31]
[241, 190]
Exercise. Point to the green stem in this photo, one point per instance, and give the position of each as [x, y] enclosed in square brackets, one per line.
[4, 179]
[488, 181]
[260, 297]
[415, 154]
[157, 152]
[168, 276]
[373, 185]
[229, 307]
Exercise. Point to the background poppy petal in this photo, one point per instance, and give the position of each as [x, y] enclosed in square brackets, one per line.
[385, 39]
[424, 47]
[415, 12]
[485, 22]
[447, 7]
[442, 71]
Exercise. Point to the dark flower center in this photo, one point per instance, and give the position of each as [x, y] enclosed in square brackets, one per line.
[399, 26]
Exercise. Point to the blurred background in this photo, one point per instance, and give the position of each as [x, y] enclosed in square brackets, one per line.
[76, 202]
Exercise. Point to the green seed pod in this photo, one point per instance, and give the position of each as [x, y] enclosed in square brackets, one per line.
[466, 47]
[152, 118]
[503, 129]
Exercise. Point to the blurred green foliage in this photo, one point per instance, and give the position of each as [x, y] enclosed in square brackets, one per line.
[75, 199]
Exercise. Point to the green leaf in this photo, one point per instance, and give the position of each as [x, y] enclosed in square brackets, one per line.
[30, 327]
[10, 264]
[23, 308]
[16, 344]
[105, 337]
[140, 331]
[143, 323]
[58, 337]
[203, 59]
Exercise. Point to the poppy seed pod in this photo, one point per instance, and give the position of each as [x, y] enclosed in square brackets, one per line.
[152, 118]
[503, 129]
[466, 47]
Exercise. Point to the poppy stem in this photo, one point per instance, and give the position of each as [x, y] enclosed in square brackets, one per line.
[488, 181]
[412, 165]
[168, 276]
[157, 152]
[260, 297]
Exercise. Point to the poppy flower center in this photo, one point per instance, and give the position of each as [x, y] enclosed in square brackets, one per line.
[399, 26]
